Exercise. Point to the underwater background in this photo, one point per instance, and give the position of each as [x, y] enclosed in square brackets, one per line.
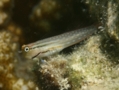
[91, 65]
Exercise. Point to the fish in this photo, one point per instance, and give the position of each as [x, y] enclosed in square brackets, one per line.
[55, 44]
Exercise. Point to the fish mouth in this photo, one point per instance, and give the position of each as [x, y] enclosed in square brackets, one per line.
[35, 56]
[39, 54]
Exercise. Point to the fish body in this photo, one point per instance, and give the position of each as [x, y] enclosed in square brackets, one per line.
[55, 44]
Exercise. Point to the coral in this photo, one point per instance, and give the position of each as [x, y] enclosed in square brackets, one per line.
[45, 9]
[5, 11]
[17, 32]
[47, 15]
[17, 74]
[8, 51]
[91, 66]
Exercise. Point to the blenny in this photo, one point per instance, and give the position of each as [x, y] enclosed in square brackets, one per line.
[55, 44]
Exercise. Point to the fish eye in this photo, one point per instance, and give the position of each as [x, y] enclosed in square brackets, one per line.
[26, 49]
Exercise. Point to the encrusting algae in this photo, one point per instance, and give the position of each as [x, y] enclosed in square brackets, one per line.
[52, 74]
[107, 13]
[87, 68]
[91, 68]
